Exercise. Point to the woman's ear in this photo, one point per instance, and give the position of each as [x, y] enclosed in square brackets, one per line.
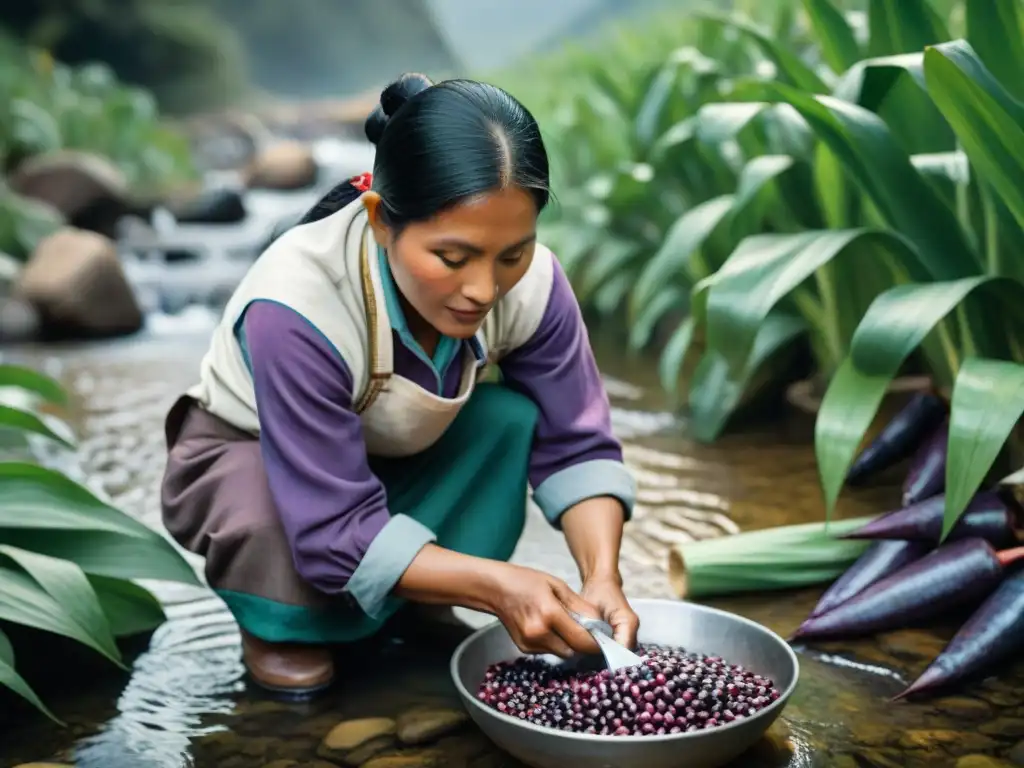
[381, 233]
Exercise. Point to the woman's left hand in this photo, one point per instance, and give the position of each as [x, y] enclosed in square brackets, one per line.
[605, 592]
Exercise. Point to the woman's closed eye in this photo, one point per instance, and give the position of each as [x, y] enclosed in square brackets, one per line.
[511, 259]
[451, 259]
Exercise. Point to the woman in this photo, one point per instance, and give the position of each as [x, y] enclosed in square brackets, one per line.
[338, 457]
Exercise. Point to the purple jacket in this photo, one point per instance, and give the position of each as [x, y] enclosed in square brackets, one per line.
[332, 506]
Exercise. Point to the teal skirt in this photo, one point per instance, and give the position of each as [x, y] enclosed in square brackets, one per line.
[469, 488]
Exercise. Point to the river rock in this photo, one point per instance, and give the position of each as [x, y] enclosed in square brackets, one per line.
[957, 741]
[284, 165]
[75, 280]
[353, 742]
[88, 190]
[19, 321]
[219, 205]
[962, 706]
[419, 726]
[1006, 727]
[981, 761]
[43, 765]
[1016, 755]
[425, 758]
[9, 269]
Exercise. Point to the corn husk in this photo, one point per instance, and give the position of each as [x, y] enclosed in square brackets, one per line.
[786, 557]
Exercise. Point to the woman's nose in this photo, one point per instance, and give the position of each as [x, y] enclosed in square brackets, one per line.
[481, 285]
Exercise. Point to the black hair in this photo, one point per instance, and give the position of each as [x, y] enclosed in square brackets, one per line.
[440, 144]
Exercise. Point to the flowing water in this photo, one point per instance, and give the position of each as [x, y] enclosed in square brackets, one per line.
[185, 701]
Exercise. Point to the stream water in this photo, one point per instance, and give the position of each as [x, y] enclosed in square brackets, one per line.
[185, 701]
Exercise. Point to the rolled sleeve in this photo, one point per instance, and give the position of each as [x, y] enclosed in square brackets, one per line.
[389, 554]
[586, 480]
[575, 454]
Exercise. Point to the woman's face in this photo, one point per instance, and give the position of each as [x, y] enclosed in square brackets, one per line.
[453, 268]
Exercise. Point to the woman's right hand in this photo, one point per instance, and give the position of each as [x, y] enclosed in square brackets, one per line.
[534, 607]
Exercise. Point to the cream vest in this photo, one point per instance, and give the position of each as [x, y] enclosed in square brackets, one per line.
[327, 271]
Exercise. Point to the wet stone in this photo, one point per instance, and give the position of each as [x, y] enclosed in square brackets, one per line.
[423, 758]
[281, 764]
[879, 758]
[962, 706]
[420, 726]
[953, 741]
[1001, 698]
[42, 765]
[466, 746]
[980, 761]
[872, 734]
[353, 742]
[1016, 755]
[1005, 727]
[912, 644]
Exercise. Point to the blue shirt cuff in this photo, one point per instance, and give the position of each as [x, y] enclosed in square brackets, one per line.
[385, 560]
[586, 480]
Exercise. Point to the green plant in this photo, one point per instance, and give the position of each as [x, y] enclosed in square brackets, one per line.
[46, 106]
[67, 559]
[24, 222]
[922, 252]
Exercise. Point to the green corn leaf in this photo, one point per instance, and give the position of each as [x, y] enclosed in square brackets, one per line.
[129, 608]
[672, 139]
[610, 257]
[988, 121]
[659, 95]
[24, 601]
[996, 31]
[873, 158]
[37, 383]
[738, 304]
[838, 44]
[103, 553]
[667, 299]
[947, 166]
[9, 678]
[759, 173]
[670, 364]
[716, 393]
[684, 238]
[900, 318]
[35, 497]
[895, 324]
[25, 421]
[69, 588]
[719, 122]
[754, 252]
[867, 83]
[831, 188]
[987, 403]
[790, 67]
[903, 26]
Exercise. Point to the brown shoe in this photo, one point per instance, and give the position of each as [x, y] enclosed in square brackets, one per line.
[291, 668]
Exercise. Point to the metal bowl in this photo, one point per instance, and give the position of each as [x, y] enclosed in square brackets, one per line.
[697, 628]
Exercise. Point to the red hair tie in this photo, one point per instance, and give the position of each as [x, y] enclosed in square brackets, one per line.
[362, 182]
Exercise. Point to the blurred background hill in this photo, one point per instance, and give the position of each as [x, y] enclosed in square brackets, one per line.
[202, 54]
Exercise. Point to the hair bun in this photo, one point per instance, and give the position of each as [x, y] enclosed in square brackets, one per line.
[391, 100]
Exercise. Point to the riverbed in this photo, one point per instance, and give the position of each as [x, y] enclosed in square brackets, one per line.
[186, 702]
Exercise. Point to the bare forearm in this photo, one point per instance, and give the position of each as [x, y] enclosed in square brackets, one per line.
[593, 530]
[442, 576]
